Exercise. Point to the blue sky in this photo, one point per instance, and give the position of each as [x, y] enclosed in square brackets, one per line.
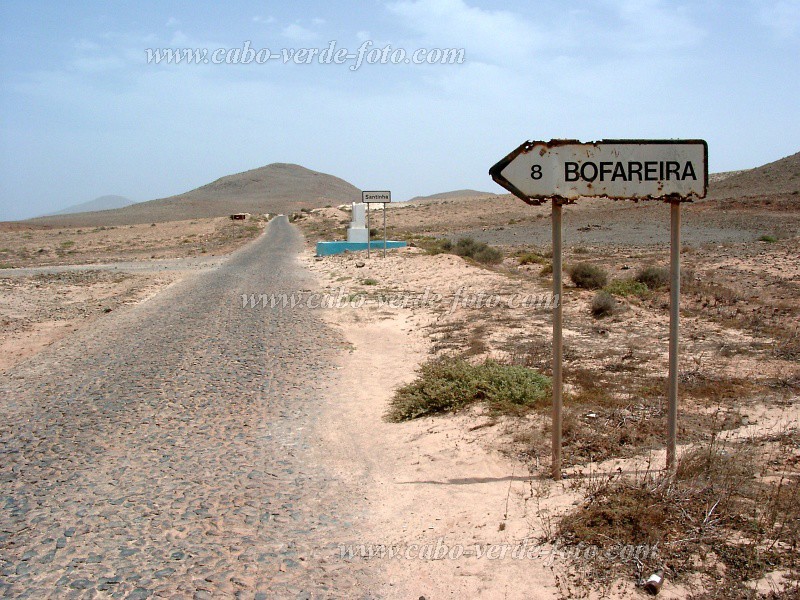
[84, 115]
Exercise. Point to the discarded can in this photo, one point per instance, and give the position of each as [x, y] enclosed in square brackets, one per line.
[653, 585]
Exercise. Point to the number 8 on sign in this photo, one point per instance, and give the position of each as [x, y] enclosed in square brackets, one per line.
[536, 172]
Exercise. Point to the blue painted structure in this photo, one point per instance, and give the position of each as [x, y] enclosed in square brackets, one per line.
[330, 248]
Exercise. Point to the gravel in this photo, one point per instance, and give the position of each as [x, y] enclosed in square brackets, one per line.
[165, 452]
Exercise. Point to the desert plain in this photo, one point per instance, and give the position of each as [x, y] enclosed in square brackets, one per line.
[165, 436]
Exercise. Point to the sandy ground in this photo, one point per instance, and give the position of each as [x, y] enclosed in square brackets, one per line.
[469, 479]
[26, 245]
[456, 481]
[54, 282]
[431, 481]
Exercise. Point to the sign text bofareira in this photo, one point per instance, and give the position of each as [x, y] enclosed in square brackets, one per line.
[630, 169]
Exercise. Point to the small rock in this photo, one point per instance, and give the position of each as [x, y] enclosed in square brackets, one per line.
[81, 584]
[360, 263]
[160, 574]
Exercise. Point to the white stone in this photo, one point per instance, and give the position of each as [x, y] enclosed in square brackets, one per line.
[357, 232]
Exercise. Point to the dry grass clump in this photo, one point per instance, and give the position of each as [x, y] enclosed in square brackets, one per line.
[464, 247]
[451, 383]
[627, 287]
[603, 304]
[653, 277]
[588, 276]
[715, 516]
[531, 258]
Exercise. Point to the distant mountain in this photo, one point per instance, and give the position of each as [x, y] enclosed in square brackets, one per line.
[776, 178]
[101, 203]
[275, 188]
[453, 194]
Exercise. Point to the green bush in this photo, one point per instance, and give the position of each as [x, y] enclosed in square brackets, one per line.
[627, 287]
[465, 247]
[448, 384]
[603, 304]
[653, 277]
[488, 255]
[435, 245]
[588, 276]
[771, 239]
[531, 258]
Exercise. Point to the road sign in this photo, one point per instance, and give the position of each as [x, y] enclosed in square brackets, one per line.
[565, 170]
[629, 169]
[372, 197]
[376, 197]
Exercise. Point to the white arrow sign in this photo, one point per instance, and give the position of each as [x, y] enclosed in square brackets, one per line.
[631, 169]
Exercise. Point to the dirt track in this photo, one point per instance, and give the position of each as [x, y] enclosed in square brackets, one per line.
[169, 450]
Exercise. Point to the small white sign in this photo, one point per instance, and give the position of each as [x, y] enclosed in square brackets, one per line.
[376, 197]
[633, 169]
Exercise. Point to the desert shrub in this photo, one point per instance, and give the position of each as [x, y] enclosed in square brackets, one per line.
[546, 270]
[627, 287]
[435, 245]
[531, 258]
[715, 504]
[588, 276]
[488, 255]
[653, 277]
[465, 247]
[449, 383]
[603, 304]
[370, 282]
[771, 239]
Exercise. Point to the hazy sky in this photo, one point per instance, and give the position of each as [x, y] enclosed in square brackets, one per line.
[84, 114]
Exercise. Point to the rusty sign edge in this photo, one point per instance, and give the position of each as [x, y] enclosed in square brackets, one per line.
[535, 200]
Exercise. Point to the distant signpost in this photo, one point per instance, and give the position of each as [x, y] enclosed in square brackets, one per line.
[372, 197]
[564, 171]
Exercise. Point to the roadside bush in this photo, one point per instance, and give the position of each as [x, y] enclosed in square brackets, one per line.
[714, 505]
[531, 258]
[771, 239]
[653, 277]
[603, 304]
[488, 255]
[449, 384]
[588, 276]
[464, 247]
[627, 287]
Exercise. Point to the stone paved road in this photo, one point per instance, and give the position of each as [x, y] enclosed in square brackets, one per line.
[165, 453]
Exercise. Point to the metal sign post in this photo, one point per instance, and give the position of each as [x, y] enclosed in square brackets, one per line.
[369, 233]
[567, 170]
[558, 346]
[371, 197]
[384, 230]
[674, 317]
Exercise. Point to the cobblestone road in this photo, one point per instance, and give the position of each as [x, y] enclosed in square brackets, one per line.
[165, 453]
